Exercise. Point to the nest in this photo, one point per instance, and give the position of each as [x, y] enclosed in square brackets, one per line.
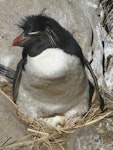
[53, 138]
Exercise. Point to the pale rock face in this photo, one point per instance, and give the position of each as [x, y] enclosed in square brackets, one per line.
[11, 127]
[108, 49]
[84, 138]
[57, 85]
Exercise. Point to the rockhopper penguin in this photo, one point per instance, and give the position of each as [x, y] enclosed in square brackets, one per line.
[50, 79]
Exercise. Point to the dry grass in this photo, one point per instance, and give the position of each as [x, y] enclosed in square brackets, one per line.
[44, 137]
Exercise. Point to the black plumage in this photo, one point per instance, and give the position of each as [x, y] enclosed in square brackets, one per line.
[48, 27]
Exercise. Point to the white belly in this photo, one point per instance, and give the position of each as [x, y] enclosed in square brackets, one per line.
[53, 83]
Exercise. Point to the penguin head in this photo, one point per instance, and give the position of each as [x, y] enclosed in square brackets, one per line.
[37, 34]
[42, 32]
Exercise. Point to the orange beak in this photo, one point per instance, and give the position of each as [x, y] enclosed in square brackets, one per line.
[20, 40]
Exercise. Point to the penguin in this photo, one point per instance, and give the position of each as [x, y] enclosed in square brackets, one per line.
[50, 80]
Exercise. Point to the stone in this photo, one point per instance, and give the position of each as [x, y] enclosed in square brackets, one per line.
[11, 128]
[83, 138]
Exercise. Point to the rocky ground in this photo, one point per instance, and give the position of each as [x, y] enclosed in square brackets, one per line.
[83, 20]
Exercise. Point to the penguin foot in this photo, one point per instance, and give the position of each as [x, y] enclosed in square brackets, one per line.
[56, 121]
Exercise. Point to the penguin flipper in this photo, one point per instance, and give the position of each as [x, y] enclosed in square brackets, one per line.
[98, 95]
[17, 78]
